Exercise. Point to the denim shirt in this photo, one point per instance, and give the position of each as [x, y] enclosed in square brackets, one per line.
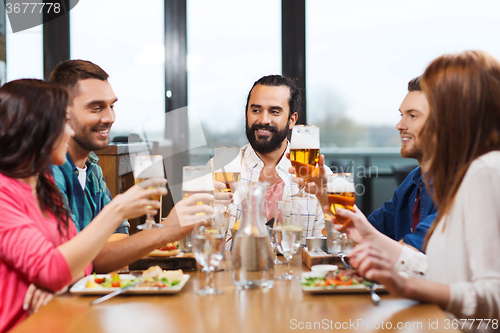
[395, 217]
[84, 205]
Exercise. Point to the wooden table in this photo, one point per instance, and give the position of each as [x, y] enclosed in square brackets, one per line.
[284, 308]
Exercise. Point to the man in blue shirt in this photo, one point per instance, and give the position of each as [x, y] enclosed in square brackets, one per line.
[91, 115]
[410, 212]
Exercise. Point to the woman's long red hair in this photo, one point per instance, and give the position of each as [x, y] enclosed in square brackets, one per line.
[463, 91]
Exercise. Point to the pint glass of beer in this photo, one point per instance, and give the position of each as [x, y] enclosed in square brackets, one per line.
[304, 151]
[146, 167]
[341, 193]
[227, 166]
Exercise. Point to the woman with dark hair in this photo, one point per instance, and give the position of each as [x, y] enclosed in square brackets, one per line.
[461, 138]
[38, 241]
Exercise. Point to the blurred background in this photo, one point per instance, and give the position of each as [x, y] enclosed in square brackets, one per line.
[353, 60]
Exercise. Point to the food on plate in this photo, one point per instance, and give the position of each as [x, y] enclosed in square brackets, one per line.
[335, 278]
[152, 277]
[152, 272]
[114, 281]
[170, 249]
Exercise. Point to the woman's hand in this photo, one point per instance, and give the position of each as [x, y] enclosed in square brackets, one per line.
[187, 211]
[372, 263]
[358, 228]
[35, 298]
[362, 232]
[137, 200]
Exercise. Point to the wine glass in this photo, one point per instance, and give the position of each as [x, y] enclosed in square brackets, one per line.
[343, 246]
[341, 194]
[226, 166]
[146, 167]
[195, 179]
[304, 153]
[270, 208]
[288, 235]
[208, 246]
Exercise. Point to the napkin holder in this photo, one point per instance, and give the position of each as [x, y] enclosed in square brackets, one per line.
[320, 258]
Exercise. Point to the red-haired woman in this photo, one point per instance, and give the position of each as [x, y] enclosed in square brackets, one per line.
[461, 138]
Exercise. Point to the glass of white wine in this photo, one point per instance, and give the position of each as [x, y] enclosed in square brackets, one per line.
[208, 246]
[226, 166]
[270, 208]
[195, 179]
[304, 152]
[146, 167]
[288, 235]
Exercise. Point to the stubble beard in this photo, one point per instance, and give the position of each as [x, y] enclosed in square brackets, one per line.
[413, 152]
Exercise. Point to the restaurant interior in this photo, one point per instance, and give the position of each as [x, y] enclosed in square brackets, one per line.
[182, 69]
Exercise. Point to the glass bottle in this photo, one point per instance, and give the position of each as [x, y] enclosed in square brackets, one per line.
[252, 254]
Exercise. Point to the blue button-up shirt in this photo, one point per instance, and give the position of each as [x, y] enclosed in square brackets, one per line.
[84, 205]
[395, 216]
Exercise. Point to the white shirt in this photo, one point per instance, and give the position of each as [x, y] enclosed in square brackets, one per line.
[82, 176]
[464, 249]
[311, 213]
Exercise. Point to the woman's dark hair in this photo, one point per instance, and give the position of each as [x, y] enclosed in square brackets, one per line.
[32, 119]
[463, 91]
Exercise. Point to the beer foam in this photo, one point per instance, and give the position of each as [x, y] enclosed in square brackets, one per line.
[150, 168]
[200, 183]
[222, 155]
[304, 140]
[339, 185]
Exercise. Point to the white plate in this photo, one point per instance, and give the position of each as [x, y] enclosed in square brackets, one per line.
[356, 289]
[80, 288]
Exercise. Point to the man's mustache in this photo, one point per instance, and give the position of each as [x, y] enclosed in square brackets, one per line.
[266, 127]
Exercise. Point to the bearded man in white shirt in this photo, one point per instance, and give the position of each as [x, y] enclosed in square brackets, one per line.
[271, 113]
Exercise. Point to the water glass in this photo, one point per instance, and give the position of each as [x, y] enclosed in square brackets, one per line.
[208, 246]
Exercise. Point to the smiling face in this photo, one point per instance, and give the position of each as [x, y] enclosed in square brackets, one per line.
[268, 120]
[414, 112]
[91, 113]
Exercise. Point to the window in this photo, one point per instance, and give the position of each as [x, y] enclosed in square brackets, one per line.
[127, 41]
[24, 53]
[361, 55]
[231, 44]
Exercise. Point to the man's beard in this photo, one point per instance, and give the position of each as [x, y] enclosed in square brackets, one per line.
[413, 152]
[266, 146]
[90, 145]
[82, 137]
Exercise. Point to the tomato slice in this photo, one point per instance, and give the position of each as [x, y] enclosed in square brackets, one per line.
[98, 280]
[115, 284]
[167, 248]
